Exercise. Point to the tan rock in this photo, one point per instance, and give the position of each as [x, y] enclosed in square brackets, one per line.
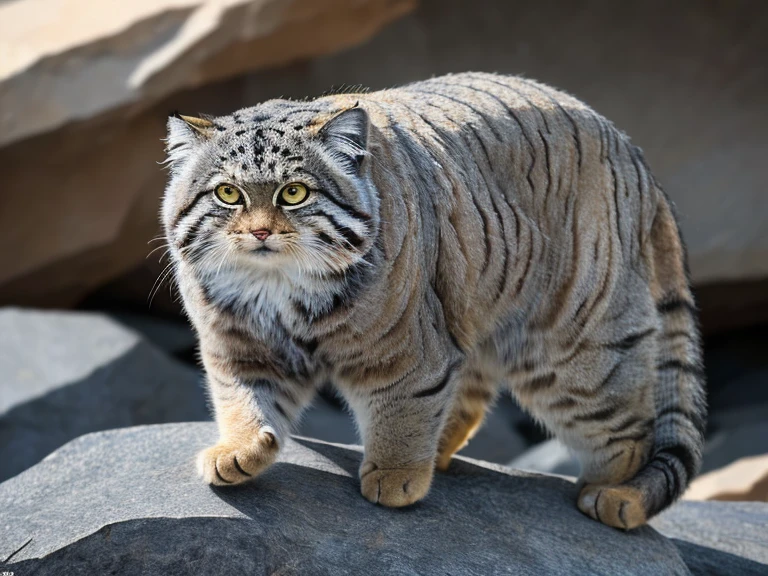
[82, 85]
[746, 479]
[64, 60]
[85, 87]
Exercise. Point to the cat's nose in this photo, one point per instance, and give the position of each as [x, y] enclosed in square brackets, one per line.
[261, 234]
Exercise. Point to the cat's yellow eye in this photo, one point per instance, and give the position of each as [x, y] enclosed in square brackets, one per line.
[292, 194]
[228, 194]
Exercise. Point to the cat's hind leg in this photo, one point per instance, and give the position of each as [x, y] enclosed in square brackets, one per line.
[600, 403]
[476, 393]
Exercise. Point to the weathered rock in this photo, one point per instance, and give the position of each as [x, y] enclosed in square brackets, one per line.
[84, 94]
[58, 51]
[734, 442]
[65, 374]
[129, 501]
[718, 538]
[745, 479]
[328, 422]
[497, 441]
[172, 336]
[549, 457]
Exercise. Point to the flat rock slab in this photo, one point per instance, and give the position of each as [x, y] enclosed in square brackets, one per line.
[64, 374]
[718, 537]
[129, 502]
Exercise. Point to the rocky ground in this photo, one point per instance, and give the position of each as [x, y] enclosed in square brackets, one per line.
[129, 499]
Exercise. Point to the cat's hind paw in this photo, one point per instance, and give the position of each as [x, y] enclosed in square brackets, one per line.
[618, 506]
[395, 487]
[229, 463]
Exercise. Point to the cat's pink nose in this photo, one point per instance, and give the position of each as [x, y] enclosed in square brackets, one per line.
[261, 234]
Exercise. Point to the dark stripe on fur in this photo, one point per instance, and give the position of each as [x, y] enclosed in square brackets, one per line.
[348, 233]
[630, 341]
[602, 414]
[189, 207]
[681, 367]
[194, 230]
[439, 387]
[538, 384]
[281, 410]
[673, 304]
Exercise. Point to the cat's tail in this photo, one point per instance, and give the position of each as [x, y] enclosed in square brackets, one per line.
[680, 395]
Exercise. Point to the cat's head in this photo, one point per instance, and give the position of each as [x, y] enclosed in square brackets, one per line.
[281, 186]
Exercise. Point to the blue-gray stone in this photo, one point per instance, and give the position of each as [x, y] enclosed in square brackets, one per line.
[129, 501]
[64, 374]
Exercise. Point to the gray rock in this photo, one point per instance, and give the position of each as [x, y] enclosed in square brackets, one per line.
[328, 422]
[719, 538]
[172, 336]
[497, 441]
[65, 374]
[129, 502]
[550, 457]
[729, 444]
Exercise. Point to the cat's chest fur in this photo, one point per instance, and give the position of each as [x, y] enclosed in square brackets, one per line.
[264, 306]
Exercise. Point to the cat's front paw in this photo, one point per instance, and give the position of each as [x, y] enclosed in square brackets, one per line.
[228, 463]
[395, 486]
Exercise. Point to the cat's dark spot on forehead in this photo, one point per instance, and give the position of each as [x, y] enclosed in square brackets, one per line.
[194, 181]
[245, 166]
[295, 158]
[275, 148]
[233, 153]
[219, 127]
[272, 165]
[239, 132]
[285, 152]
[283, 120]
[299, 127]
[259, 133]
[223, 158]
[241, 148]
[278, 131]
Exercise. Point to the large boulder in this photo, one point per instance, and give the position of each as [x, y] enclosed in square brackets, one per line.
[57, 51]
[85, 89]
[90, 105]
[64, 374]
[719, 538]
[129, 502]
[745, 479]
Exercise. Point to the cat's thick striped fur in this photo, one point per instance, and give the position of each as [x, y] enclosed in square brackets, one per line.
[461, 234]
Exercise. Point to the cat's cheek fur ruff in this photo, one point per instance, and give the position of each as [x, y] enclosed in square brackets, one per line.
[465, 234]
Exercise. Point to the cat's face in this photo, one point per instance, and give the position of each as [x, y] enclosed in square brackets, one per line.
[279, 186]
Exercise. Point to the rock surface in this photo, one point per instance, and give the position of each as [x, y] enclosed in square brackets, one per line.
[129, 501]
[84, 95]
[743, 480]
[57, 51]
[65, 374]
[719, 538]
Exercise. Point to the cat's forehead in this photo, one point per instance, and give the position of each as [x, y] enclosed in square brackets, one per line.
[267, 140]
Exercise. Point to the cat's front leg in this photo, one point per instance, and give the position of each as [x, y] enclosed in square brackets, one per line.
[401, 425]
[254, 417]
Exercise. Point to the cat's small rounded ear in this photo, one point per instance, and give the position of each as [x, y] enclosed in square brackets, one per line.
[202, 127]
[184, 134]
[346, 136]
